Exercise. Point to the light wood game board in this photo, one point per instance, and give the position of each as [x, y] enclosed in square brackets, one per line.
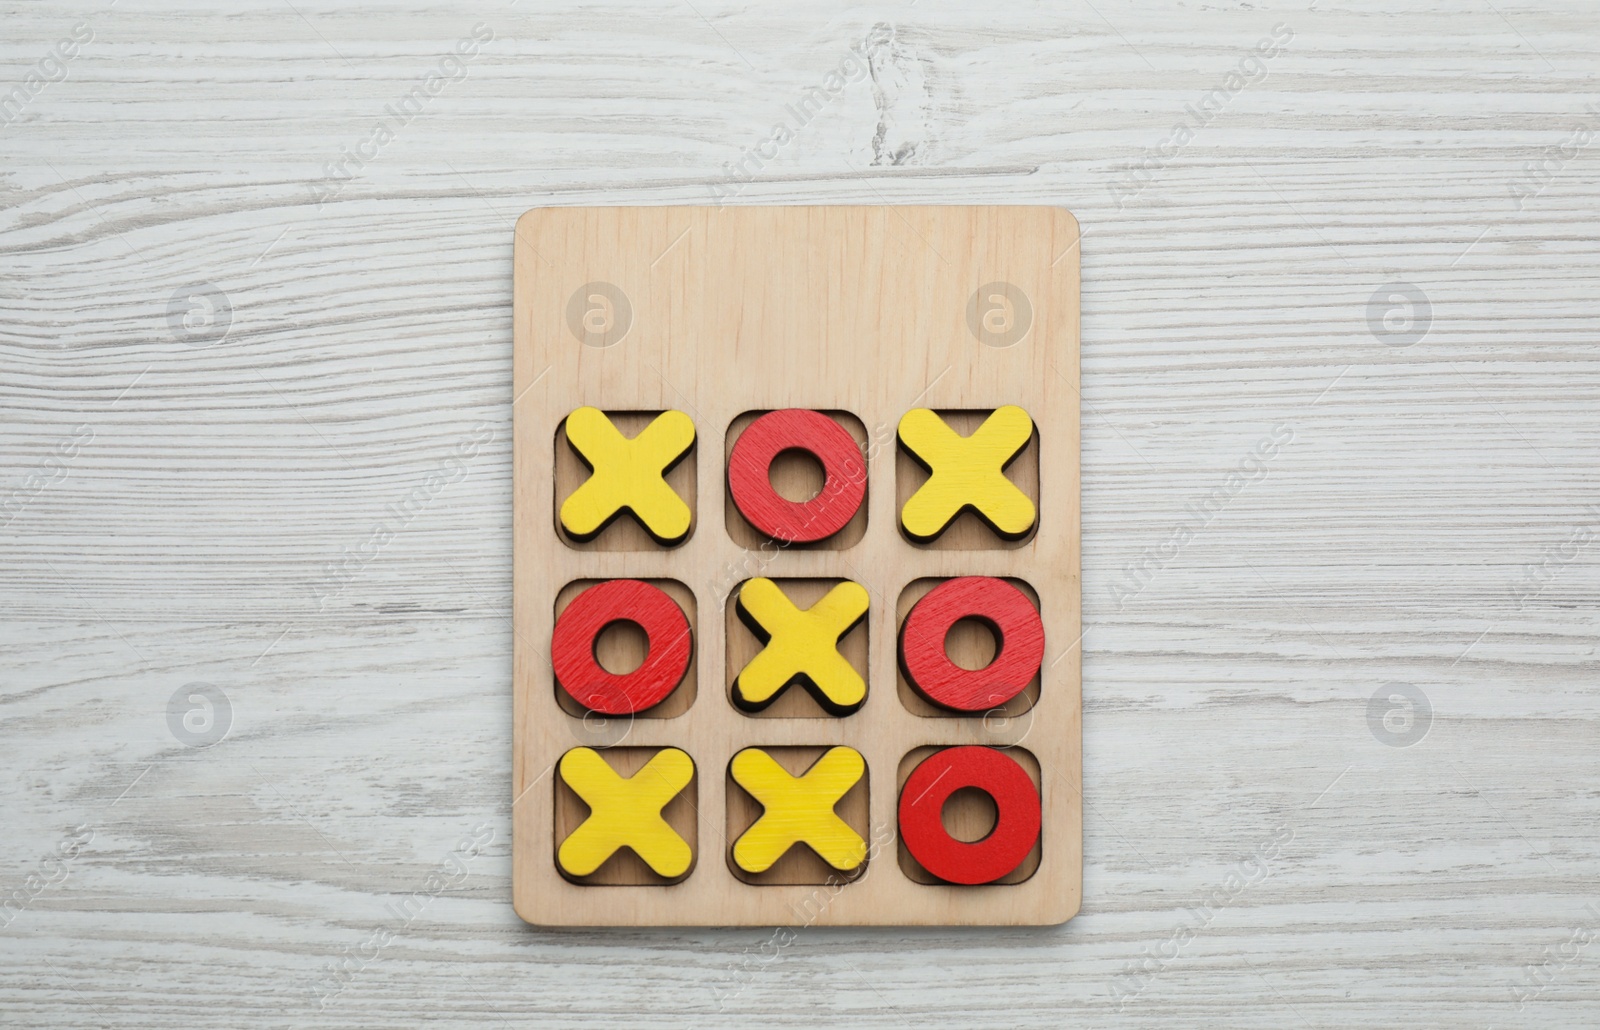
[863, 314]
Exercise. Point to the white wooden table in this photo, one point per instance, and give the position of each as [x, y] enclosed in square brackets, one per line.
[239, 325]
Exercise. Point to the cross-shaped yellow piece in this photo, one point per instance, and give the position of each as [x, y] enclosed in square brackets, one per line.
[798, 810]
[628, 474]
[625, 812]
[801, 646]
[967, 472]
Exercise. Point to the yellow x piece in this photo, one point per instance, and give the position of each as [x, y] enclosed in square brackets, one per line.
[625, 812]
[798, 810]
[966, 472]
[628, 474]
[800, 646]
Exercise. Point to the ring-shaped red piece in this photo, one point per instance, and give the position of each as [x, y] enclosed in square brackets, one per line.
[797, 429]
[579, 625]
[1016, 802]
[1008, 612]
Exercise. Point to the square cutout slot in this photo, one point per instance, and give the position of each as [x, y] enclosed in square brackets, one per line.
[798, 477]
[796, 700]
[624, 532]
[620, 648]
[799, 864]
[971, 645]
[969, 815]
[968, 531]
[624, 868]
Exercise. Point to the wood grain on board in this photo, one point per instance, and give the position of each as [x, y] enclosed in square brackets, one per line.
[862, 310]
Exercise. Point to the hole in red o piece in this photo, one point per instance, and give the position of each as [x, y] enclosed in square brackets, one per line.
[969, 815]
[972, 643]
[796, 475]
[621, 647]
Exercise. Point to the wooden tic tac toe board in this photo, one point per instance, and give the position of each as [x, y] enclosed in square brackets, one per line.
[785, 477]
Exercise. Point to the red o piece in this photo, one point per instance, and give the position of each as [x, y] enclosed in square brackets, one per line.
[1007, 611]
[579, 625]
[844, 470]
[1016, 827]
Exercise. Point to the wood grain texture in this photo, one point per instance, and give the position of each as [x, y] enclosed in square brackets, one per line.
[1422, 523]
